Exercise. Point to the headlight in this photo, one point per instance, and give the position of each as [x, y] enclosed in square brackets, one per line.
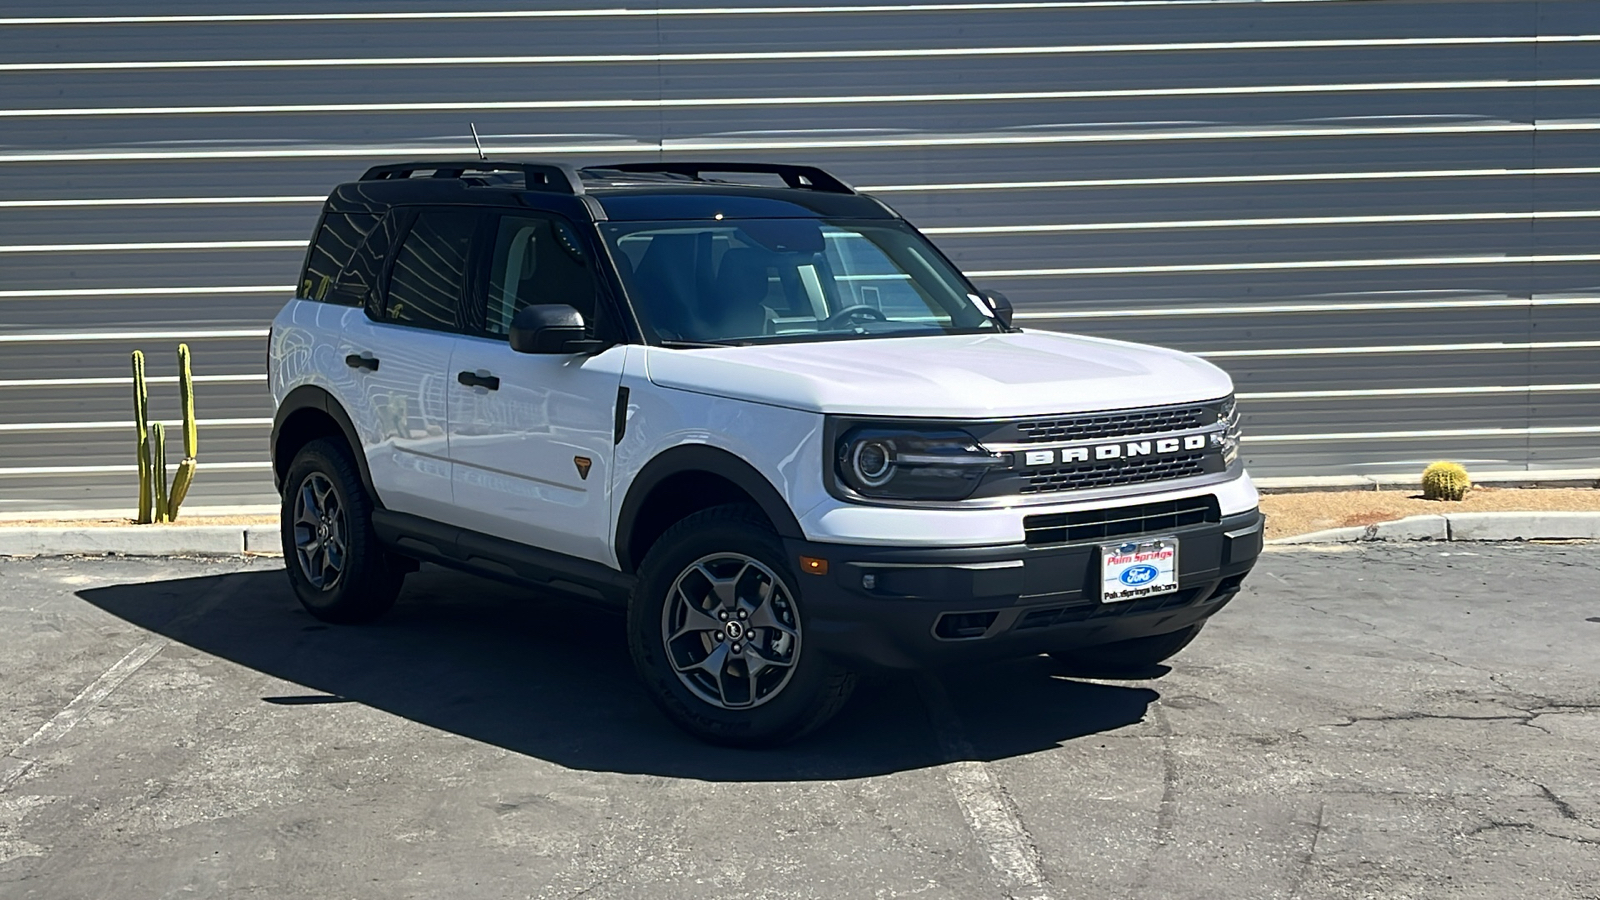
[886, 462]
[1228, 415]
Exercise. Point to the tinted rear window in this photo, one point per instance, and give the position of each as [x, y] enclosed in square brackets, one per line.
[337, 239]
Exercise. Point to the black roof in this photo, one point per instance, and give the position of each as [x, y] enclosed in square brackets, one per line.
[637, 191]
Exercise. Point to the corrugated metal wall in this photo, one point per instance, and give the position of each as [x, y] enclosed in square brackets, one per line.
[1380, 216]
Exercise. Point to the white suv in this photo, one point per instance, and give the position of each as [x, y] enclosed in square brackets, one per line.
[761, 412]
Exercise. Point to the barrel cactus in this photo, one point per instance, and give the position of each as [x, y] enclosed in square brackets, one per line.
[1445, 481]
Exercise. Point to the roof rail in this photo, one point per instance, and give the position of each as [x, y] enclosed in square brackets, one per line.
[555, 178]
[804, 177]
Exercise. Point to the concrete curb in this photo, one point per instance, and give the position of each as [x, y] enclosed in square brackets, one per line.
[141, 540]
[1475, 526]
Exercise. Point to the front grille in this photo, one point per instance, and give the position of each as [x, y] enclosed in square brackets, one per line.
[1121, 521]
[1113, 473]
[1110, 425]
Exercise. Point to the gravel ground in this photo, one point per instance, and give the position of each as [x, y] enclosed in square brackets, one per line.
[1290, 514]
[1379, 722]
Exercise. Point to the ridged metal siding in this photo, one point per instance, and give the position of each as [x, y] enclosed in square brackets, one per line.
[1392, 201]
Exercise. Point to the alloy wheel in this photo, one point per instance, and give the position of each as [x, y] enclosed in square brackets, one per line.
[731, 631]
[319, 531]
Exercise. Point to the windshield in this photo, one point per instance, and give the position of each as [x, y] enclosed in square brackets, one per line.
[773, 280]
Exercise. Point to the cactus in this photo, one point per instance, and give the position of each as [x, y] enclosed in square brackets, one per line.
[1445, 481]
[191, 437]
[156, 503]
[158, 469]
[141, 425]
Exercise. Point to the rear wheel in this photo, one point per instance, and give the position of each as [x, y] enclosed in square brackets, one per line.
[337, 567]
[717, 634]
[1127, 657]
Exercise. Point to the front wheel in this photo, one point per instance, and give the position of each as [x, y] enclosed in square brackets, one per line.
[1127, 657]
[718, 637]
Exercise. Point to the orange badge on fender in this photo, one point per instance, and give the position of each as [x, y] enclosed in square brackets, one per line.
[583, 463]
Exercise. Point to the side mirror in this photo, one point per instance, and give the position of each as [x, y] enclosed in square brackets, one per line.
[1000, 305]
[550, 328]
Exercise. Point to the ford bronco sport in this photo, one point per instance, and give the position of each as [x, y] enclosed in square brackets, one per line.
[760, 412]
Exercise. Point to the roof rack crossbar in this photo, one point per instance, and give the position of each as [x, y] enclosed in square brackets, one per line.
[804, 177]
[555, 178]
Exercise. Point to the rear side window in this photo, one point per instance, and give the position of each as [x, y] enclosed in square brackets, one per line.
[357, 284]
[429, 271]
[338, 237]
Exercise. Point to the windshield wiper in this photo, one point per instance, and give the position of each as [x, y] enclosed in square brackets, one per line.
[696, 345]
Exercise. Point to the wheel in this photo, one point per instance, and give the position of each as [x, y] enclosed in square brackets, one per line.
[1127, 657]
[718, 636]
[337, 567]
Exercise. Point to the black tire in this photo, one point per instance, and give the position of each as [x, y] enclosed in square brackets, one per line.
[1133, 657]
[776, 704]
[367, 578]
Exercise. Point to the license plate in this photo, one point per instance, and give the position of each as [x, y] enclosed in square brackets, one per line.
[1138, 569]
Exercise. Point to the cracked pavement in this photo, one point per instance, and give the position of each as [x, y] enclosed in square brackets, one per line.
[1368, 721]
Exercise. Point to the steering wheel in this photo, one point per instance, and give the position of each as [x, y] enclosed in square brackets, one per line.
[851, 312]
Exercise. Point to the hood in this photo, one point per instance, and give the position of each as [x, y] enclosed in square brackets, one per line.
[945, 376]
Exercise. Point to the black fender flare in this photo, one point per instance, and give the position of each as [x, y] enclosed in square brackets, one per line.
[711, 461]
[310, 396]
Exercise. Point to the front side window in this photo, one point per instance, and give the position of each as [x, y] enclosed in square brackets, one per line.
[775, 280]
[536, 260]
[428, 275]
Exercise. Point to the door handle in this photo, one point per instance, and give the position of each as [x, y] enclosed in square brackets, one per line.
[362, 360]
[480, 378]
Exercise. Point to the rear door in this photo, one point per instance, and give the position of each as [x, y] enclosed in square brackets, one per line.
[411, 280]
[531, 436]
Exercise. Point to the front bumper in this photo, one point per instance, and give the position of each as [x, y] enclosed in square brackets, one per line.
[939, 606]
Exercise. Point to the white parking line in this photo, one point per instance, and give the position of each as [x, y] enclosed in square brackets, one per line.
[90, 697]
[989, 812]
[21, 761]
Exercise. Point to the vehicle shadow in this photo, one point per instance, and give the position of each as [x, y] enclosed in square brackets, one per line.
[552, 679]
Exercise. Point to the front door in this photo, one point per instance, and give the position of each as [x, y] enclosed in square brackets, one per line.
[531, 435]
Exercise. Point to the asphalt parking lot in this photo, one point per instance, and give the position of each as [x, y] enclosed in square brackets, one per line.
[1386, 721]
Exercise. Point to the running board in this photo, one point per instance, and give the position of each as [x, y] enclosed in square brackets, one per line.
[498, 558]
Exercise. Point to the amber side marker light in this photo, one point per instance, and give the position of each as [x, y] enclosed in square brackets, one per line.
[811, 565]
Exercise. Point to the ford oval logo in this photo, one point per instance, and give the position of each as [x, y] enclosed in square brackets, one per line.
[1133, 576]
